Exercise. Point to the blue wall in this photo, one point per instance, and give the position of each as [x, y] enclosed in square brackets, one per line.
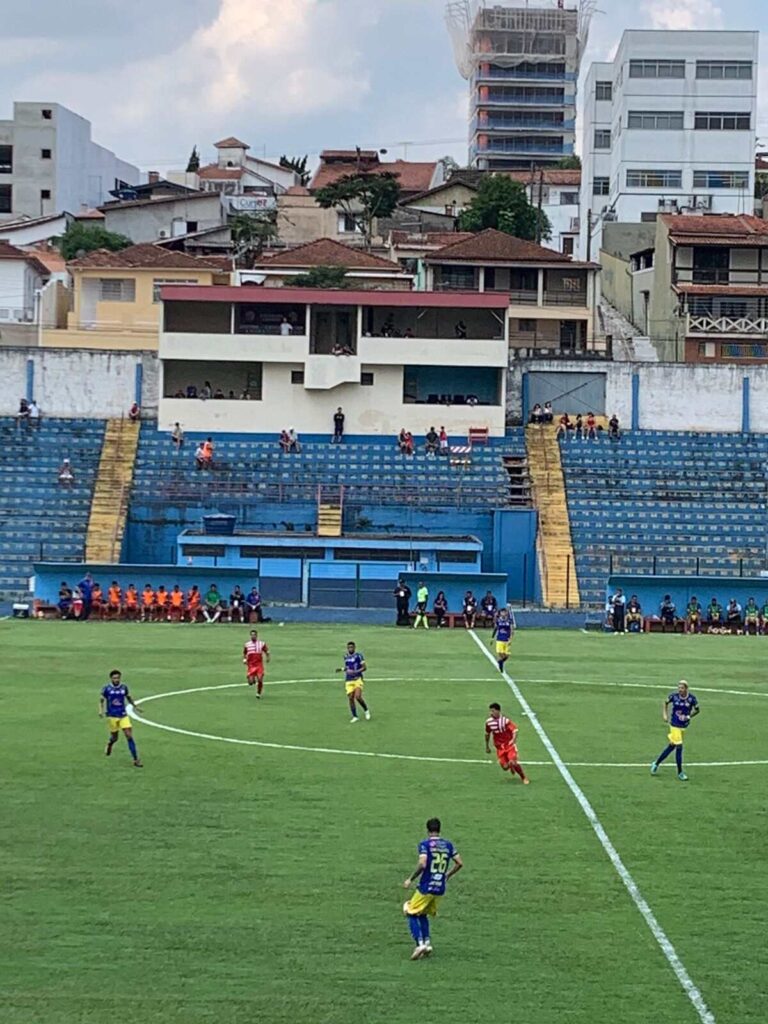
[651, 589]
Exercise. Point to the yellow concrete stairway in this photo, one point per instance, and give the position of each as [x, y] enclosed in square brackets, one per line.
[329, 511]
[560, 588]
[111, 492]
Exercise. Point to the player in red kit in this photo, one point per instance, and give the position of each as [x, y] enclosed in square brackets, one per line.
[504, 733]
[254, 654]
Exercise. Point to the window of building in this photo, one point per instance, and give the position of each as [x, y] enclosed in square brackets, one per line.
[659, 121]
[654, 179]
[45, 193]
[191, 226]
[203, 550]
[526, 326]
[721, 179]
[567, 245]
[657, 69]
[347, 225]
[117, 289]
[719, 70]
[160, 282]
[46, 114]
[601, 187]
[6, 159]
[718, 122]
[602, 138]
[366, 378]
[603, 90]
[569, 198]
[6, 198]
[45, 154]
[456, 279]
[297, 376]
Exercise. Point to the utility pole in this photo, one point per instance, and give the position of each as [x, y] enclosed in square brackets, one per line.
[539, 205]
[589, 235]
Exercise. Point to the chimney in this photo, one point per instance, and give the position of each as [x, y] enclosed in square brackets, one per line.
[153, 177]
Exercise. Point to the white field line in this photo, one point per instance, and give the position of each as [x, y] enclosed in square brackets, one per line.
[705, 1014]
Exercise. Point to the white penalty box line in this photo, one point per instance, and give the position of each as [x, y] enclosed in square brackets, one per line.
[689, 987]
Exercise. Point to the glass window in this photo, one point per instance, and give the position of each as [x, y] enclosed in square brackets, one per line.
[720, 70]
[45, 154]
[654, 179]
[6, 159]
[602, 138]
[117, 289]
[297, 376]
[601, 187]
[721, 179]
[6, 198]
[662, 120]
[569, 198]
[657, 69]
[366, 378]
[718, 122]
[603, 90]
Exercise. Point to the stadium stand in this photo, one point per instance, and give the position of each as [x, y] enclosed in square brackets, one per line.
[40, 519]
[661, 502]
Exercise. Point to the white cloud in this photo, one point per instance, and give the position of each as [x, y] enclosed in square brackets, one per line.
[17, 49]
[684, 14]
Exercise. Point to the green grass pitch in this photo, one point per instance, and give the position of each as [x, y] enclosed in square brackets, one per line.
[237, 883]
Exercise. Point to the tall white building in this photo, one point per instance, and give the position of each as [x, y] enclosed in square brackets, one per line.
[49, 163]
[669, 127]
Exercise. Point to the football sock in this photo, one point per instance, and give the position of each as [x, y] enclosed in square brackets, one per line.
[132, 748]
[518, 770]
[665, 754]
[501, 664]
[424, 922]
[352, 707]
[362, 703]
[413, 924]
[260, 686]
[111, 742]
[679, 757]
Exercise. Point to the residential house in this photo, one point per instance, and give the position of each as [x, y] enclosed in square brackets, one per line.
[115, 300]
[413, 176]
[364, 269]
[34, 230]
[22, 276]
[164, 217]
[551, 299]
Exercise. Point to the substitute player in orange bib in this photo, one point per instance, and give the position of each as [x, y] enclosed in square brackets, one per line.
[504, 732]
[254, 654]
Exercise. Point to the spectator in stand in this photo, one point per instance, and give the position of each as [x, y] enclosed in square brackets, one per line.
[114, 600]
[618, 611]
[218, 393]
[285, 327]
[147, 603]
[134, 413]
[469, 610]
[460, 329]
[253, 606]
[733, 616]
[206, 391]
[34, 414]
[443, 439]
[199, 456]
[401, 440]
[207, 453]
[563, 426]
[162, 609]
[65, 600]
[212, 605]
[409, 445]
[294, 445]
[236, 604]
[22, 416]
[751, 618]
[591, 428]
[408, 332]
[132, 603]
[66, 475]
[193, 604]
[176, 604]
[191, 391]
[693, 616]
[231, 396]
[578, 428]
[548, 415]
[614, 433]
[97, 602]
[402, 594]
[338, 427]
[440, 608]
[667, 613]
[634, 618]
[488, 608]
[715, 616]
[431, 442]
[537, 414]
[177, 437]
[285, 441]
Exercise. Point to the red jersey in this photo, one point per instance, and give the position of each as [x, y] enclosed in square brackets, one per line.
[254, 651]
[502, 729]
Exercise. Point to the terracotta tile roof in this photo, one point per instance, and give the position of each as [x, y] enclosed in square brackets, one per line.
[215, 173]
[231, 143]
[10, 252]
[743, 230]
[734, 290]
[89, 215]
[142, 257]
[326, 252]
[429, 239]
[52, 260]
[491, 246]
[413, 176]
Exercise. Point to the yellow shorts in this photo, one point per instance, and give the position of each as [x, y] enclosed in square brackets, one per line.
[354, 684]
[675, 736]
[421, 903]
[119, 723]
[502, 647]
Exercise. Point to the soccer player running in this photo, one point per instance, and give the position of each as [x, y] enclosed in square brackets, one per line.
[684, 707]
[503, 631]
[354, 668]
[113, 701]
[504, 732]
[254, 653]
[438, 861]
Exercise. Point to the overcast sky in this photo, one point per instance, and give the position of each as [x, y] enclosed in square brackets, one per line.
[294, 76]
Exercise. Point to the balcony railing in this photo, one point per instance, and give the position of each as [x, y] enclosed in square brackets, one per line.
[719, 275]
[503, 124]
[710, 323]
[524, 100]
[502, 147]
[554, 297]
[542, 72]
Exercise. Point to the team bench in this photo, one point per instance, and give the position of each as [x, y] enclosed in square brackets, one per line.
[450, 619]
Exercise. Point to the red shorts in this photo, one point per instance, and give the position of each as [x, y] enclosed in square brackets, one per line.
[255, 669]
[506, 755]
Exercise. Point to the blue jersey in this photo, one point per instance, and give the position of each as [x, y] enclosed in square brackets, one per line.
[439, 853]
[116, 698]
[504, 630]
[353, 666]
[682, 708]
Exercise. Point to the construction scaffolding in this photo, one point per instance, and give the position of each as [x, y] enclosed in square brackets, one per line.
[511, 32]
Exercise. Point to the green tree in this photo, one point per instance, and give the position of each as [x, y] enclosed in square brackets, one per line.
[250, 235]
[80, 238]
[322, 277]
[193, 164]
[363, 197]
[503, 204]
[569, 163]
[297, 164]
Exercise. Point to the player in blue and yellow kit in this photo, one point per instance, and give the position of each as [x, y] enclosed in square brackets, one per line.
[684, 707]
[503, 630]
[114, 701]
[354, 668]
[433, 871]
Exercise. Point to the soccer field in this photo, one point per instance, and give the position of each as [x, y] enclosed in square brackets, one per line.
[260, 879]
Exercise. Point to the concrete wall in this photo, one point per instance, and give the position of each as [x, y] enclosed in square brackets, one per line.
[147, 222]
